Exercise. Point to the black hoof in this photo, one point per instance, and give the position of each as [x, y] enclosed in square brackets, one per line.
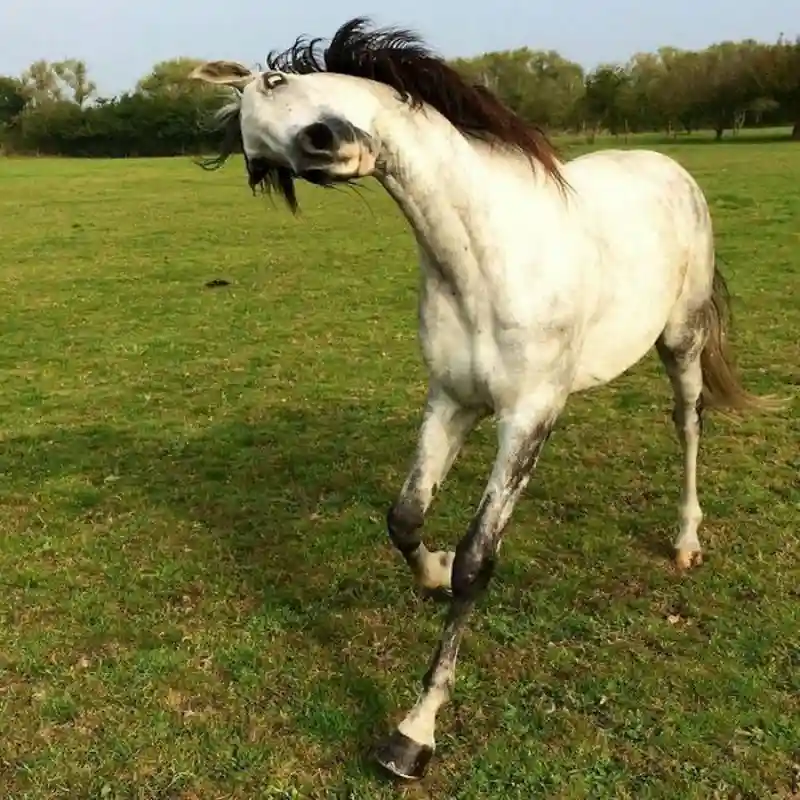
[403, 757]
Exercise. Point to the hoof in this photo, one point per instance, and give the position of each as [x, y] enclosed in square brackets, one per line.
[403, 757]
[686, 559]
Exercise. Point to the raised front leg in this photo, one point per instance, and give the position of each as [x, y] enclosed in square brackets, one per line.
[522, 435]
[445, 426]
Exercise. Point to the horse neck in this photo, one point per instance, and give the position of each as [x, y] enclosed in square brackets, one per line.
[462, 199]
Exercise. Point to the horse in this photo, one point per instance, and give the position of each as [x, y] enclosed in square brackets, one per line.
[539, 278]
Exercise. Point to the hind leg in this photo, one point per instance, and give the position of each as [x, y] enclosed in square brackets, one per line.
[680, 355]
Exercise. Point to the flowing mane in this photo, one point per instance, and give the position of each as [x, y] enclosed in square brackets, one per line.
[397, 58]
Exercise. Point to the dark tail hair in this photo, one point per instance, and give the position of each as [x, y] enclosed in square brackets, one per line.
[722, 387]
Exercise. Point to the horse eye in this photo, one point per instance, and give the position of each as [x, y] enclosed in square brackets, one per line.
[273, 79]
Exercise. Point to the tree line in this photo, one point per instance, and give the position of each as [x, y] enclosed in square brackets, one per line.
[54, 108]
[723, 88]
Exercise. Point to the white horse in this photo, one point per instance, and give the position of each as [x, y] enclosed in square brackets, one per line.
[538, 279]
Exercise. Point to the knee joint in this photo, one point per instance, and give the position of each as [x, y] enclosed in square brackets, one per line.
[404, 522]
[682, 415]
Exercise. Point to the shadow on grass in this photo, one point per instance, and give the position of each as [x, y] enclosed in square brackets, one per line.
[285, 513]
[298, 490]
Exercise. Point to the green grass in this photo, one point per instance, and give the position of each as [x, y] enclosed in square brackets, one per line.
[198, 597]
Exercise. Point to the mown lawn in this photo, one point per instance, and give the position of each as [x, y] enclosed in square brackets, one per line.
[198, 598]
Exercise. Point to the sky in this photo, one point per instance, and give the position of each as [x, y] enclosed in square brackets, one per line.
[121, 39]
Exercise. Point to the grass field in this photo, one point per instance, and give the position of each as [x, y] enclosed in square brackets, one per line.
[198, 598]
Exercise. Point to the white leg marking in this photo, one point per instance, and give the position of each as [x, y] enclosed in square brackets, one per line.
[434, 569]
[420, 723]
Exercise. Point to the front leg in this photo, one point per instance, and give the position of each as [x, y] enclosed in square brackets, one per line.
[445, 426]
[522, 435]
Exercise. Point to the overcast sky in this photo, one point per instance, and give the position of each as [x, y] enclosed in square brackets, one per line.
[121, 39]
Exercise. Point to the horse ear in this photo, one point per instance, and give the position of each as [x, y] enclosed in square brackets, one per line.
[223, 73]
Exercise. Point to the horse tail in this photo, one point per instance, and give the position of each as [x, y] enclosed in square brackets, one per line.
[722, 387]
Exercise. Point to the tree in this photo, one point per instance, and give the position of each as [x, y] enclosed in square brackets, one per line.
[75, 76]
[559, 85]
[541, 86]
[171, 78]
[606, 97]
[41, 84]
[12, 100]
[729, 84]
[778, 76]
[678, 90]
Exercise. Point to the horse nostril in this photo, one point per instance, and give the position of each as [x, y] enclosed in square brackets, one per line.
[319, 136]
